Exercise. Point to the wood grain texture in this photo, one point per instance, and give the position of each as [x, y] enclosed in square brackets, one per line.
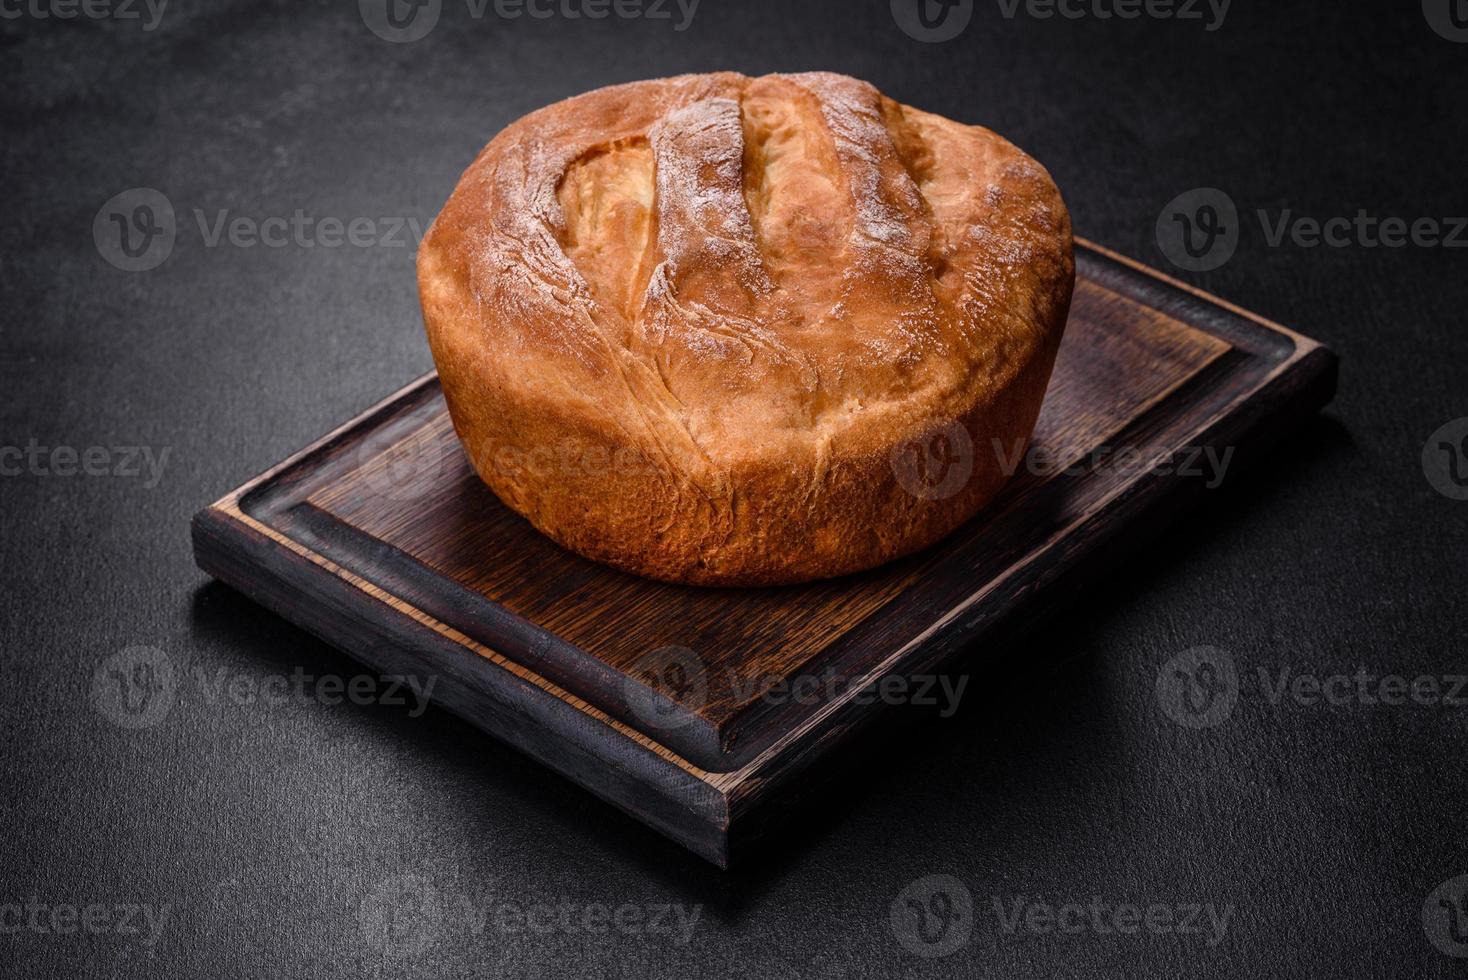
[380, 535]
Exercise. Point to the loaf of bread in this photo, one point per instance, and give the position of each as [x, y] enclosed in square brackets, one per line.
[724, 330]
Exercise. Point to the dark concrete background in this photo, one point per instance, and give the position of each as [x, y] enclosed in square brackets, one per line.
[276, 837]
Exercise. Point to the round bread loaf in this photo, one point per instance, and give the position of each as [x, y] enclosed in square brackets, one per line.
[725, 330]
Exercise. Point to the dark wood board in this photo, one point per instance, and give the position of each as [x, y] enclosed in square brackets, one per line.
[677, 703]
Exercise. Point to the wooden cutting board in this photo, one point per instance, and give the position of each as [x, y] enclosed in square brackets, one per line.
[703, 711]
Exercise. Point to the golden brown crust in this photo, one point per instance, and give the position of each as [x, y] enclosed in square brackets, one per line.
[704, 328]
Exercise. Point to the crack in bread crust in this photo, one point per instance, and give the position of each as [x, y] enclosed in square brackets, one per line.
[683, 325]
